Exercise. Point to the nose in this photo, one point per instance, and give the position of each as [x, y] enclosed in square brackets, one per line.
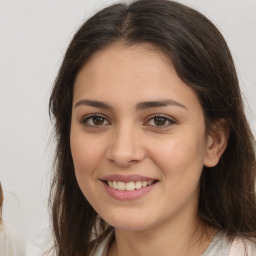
[125, 147]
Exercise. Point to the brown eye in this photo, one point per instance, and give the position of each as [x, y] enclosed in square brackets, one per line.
[95, 120]
[98, 120]
[160, 121]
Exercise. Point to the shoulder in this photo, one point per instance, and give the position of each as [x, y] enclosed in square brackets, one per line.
[241, 247]
[223, 245]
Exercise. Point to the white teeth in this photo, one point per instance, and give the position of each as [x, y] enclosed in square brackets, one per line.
[120, 185]
[129, 186]
[114, 184]
[138, 184]
[144, 183]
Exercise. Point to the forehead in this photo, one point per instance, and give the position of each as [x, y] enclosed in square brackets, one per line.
[120, 58]
[136, 73]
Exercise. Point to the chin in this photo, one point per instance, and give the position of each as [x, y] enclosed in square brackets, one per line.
[130, 227]
[129, 223]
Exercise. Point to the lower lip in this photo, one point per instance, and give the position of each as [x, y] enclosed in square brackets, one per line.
[125, 195]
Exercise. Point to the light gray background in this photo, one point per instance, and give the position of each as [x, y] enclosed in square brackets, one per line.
[33, 39]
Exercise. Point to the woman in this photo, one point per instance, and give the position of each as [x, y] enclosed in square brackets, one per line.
[154, 153]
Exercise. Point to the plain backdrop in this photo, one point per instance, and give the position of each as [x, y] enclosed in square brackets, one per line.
[34, 35]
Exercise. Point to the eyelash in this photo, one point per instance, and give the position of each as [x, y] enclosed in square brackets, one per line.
[167, 121]
[86, 120]
[153, 118]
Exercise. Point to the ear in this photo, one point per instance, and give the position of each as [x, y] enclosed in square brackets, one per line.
[217, 140]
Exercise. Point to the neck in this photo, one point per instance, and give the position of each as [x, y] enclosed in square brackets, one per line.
[169, 239]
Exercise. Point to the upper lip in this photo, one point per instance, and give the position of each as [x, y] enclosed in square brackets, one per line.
[127, 178]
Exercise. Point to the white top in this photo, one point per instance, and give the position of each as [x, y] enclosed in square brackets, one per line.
[11, 243]
[219, 246]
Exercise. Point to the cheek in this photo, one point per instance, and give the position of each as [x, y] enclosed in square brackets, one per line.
[85, 153]
[86, 157]
[181, 157]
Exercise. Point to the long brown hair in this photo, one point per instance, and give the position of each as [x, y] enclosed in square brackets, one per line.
[203, 61]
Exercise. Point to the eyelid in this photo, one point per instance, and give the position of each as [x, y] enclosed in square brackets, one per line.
[85, 118]
[170, 120]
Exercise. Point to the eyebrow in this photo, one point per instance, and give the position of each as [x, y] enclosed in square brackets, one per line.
[159, 103]
[93, 103]
[139, 106]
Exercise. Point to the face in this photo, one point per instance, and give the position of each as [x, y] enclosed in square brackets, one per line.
[138, 138]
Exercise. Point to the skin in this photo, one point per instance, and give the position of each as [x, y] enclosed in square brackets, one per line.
[129, 141]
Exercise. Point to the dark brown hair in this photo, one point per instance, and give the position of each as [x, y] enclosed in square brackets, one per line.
[203, 61]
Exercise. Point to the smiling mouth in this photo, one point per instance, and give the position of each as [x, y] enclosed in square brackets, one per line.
[129, 186]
